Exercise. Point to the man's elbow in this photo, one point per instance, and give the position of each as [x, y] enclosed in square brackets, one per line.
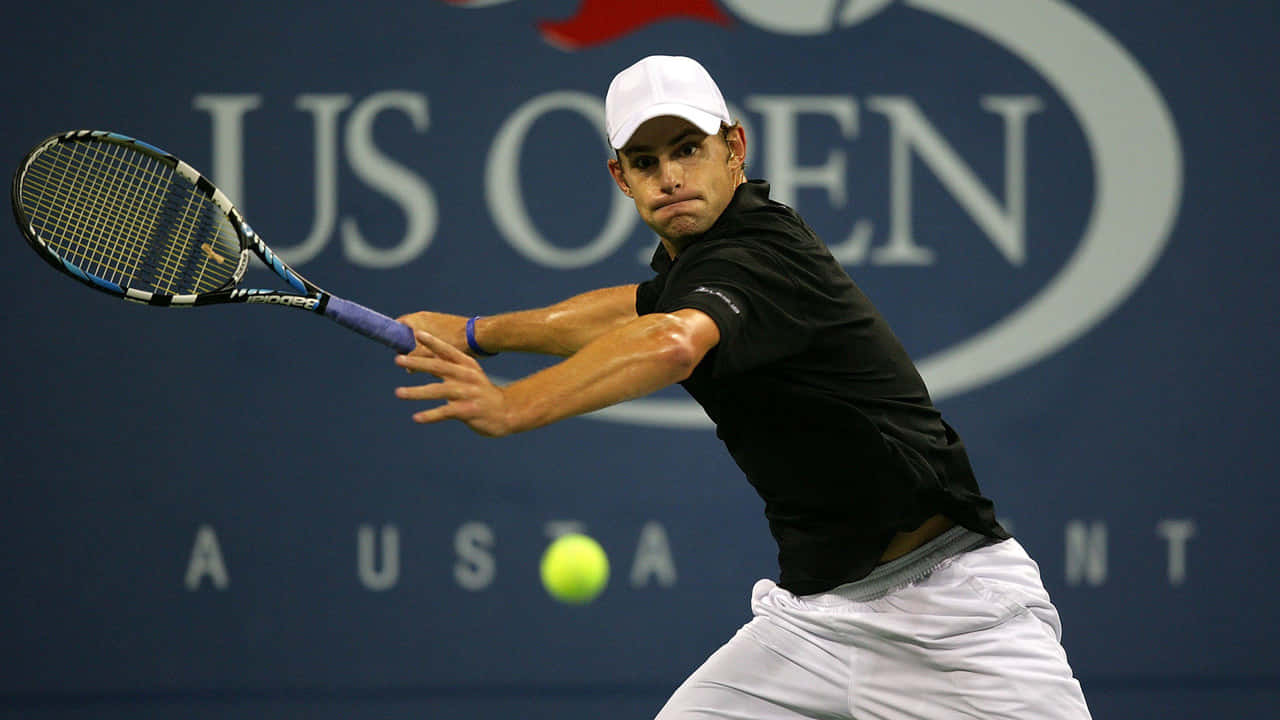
[680, 348]
[680, 357]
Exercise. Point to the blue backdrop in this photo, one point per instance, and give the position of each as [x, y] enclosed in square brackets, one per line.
[1066, 210]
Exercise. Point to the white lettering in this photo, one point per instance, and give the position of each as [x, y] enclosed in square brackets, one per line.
[407, 189]
[1177, 533]
[1008, 231]
[781, 154]
[780, 141]
[506, 200]
[1086, 552]
[227, 115]
[324, 110]
[367, 568]
[653, 557]
[476, 567]
[911, 131]
[291, 300]
[206, 561]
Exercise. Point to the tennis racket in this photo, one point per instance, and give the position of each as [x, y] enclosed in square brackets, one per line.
[131, 220]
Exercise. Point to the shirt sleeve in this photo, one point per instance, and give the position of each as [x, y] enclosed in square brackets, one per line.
[754, 303]
[647, 294]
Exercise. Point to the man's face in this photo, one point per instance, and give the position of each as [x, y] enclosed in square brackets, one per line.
[680, 178]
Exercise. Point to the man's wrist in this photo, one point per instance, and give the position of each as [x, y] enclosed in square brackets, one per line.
[471, 339]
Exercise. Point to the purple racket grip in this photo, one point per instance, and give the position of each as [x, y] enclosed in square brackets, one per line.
[372, 324]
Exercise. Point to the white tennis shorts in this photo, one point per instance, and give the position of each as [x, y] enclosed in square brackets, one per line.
[970, 636]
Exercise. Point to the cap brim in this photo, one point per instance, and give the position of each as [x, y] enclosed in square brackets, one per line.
[708, 123]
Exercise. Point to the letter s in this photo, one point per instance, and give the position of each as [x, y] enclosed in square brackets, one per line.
[395, 181]
[476, 566]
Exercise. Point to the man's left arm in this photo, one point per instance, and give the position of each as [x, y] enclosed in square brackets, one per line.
[633, 360]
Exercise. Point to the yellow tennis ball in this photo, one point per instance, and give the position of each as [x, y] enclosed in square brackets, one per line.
[575, 569]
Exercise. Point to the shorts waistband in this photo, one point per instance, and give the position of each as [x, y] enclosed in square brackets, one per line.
[911, 567]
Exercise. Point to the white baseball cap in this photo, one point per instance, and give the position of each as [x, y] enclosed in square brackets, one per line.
[662, 85]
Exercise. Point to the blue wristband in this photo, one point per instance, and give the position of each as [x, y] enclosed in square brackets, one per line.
[471, 338]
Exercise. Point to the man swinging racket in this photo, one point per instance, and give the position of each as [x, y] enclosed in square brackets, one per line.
[899, 595]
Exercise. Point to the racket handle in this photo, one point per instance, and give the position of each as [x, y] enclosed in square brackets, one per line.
[371, 323]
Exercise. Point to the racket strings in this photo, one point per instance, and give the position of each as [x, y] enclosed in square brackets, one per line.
[123, 216]
[56, 199]
[97, 229]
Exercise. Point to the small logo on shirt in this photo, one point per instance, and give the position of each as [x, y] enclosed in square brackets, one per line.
[724, 296]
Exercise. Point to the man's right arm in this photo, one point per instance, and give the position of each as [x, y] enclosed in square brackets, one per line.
[561, 329]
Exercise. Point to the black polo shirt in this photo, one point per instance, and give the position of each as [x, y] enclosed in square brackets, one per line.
[814, 396]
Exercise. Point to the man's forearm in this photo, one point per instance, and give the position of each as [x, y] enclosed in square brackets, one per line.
[561, 329]
[631, 361]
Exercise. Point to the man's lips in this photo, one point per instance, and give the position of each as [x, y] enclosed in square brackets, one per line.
[673, 202]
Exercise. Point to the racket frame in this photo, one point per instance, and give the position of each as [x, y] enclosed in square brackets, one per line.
[306, 295]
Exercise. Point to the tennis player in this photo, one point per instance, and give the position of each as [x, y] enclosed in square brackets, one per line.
[899, 595]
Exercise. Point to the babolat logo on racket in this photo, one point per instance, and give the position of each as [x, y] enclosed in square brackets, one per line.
[308, 303]
[270, 297]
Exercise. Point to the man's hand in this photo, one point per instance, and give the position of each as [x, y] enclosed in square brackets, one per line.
[449, 328]
[468, 394]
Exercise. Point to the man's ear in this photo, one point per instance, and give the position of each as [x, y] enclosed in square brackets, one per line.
[736, 139]
[615, 169]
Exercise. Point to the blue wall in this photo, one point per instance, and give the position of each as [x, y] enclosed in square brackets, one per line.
[1067, 212]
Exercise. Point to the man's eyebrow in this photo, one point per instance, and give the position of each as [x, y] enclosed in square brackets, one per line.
[642, 149]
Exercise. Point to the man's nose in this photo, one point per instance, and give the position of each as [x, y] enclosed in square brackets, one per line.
[671, 176]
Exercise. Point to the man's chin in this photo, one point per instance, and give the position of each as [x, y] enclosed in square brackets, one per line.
[682, 228]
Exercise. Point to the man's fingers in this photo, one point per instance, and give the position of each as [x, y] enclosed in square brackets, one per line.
[434, 391]
[440, 367]
[443, 349]
[444, 412]
[466, 392]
